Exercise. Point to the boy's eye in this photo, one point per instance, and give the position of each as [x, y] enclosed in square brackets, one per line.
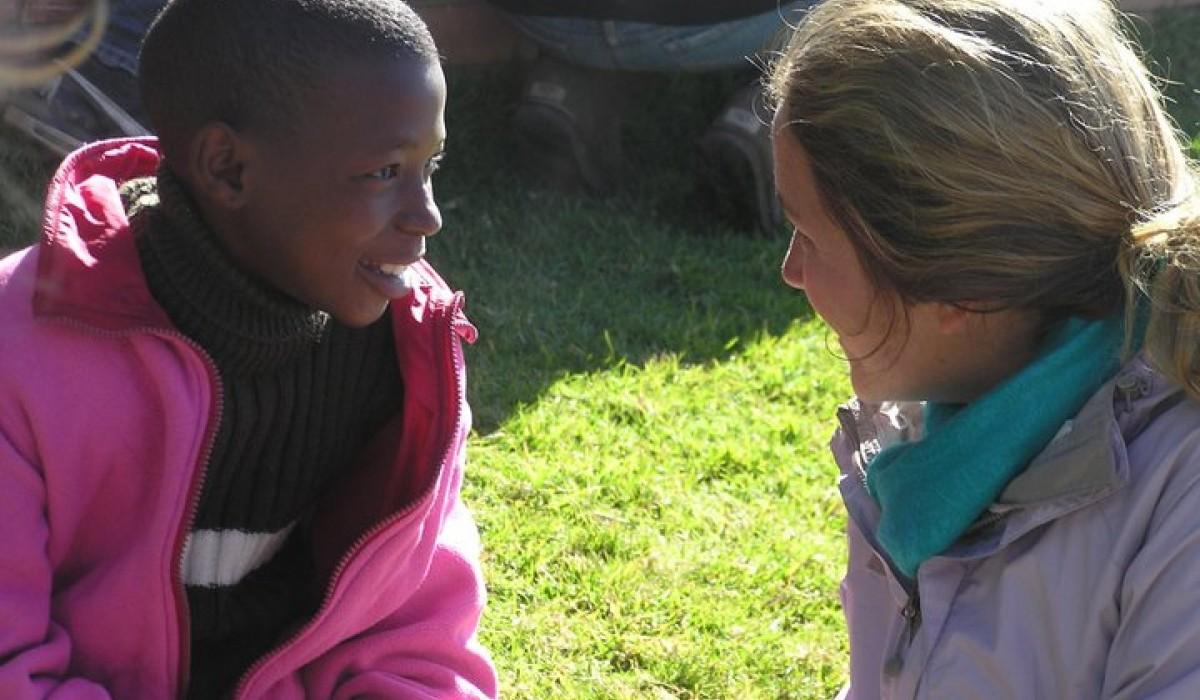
[387, 172]
[433, 164]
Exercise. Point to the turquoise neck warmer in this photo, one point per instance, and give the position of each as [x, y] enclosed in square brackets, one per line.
[929, 492]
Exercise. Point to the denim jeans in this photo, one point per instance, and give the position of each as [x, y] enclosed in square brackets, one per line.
[127, 24]
[638, 46]
[612, 45]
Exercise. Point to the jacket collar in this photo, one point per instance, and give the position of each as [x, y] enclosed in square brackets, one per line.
[88, 268]
[1084, 463]
[1083, 457]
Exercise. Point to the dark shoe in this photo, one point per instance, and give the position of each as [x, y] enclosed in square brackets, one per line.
[92, 103]
[736, 150]
[567, 127]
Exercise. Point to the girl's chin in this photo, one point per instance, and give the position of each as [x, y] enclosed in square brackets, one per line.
[870, 387]
[863, 389]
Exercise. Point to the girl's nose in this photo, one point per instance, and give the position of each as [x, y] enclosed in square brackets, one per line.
[793, 264]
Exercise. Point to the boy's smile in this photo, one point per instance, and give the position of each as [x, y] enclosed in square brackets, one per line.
[334, 212]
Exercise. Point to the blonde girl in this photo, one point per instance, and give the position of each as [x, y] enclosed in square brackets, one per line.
[995, 217]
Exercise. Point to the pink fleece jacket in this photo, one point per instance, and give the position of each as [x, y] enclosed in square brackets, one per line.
[107, 415]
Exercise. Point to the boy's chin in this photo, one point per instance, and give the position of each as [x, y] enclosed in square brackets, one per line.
[360, 318]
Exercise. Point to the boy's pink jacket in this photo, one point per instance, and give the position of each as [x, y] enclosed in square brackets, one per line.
[106, 417]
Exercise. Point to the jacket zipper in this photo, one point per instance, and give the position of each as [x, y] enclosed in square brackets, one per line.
[199, 471]
[911, 612]
[455, 362]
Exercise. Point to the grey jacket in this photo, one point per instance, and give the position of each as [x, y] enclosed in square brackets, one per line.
[1081, 581]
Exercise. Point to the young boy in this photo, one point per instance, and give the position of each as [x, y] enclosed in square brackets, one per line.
[232, 402]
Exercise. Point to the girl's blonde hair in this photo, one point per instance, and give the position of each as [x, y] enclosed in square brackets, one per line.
[1013, 152]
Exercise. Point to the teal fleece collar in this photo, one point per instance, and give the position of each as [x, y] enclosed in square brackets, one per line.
[929, 492]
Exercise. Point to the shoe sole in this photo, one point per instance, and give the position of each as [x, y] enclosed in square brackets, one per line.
[555, 150]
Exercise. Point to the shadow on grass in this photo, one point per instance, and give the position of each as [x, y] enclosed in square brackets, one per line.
[562, 284]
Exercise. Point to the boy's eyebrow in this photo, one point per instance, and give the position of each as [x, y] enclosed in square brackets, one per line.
[407, 144]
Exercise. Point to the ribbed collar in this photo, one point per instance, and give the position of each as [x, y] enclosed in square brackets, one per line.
[244, 325]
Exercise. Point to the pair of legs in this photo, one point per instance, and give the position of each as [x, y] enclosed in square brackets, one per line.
[127, 24]
[639, 46]
[568, 120]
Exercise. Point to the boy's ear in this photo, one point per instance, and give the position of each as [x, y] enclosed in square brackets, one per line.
[218, 164]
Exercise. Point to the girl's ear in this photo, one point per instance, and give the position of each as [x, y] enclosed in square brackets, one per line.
[953, 319]
[217, 163]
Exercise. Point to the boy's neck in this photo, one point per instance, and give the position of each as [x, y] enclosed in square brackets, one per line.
[239, 320]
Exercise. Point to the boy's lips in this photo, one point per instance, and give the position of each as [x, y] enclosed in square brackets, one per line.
[392, 269]
[391, 279]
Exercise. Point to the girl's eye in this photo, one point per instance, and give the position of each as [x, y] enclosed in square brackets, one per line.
[387, 172]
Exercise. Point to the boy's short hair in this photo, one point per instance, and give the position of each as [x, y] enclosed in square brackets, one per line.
[249, 63]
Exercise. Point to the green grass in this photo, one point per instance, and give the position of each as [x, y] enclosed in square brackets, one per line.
[668, 528]
[649, 469]
[1173, 54]
[649, 472]
[24, 170]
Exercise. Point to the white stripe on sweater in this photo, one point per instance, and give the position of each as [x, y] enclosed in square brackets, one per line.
[215, 558]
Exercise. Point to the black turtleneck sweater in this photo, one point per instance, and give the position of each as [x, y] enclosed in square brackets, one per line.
[301, 395]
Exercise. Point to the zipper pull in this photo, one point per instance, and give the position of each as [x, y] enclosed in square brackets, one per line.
[458, 320]
[911, 612]
[912, 615]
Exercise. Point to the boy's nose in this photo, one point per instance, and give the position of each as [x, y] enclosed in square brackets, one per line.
[421, 217]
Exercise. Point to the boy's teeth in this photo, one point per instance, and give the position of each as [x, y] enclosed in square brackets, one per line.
[391, 270]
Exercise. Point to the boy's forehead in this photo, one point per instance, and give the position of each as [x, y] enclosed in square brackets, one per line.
[364, 81]
[378, 104]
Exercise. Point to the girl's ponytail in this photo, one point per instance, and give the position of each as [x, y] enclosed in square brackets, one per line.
[1161, 271]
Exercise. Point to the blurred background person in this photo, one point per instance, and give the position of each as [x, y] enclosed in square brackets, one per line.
[577, 92]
